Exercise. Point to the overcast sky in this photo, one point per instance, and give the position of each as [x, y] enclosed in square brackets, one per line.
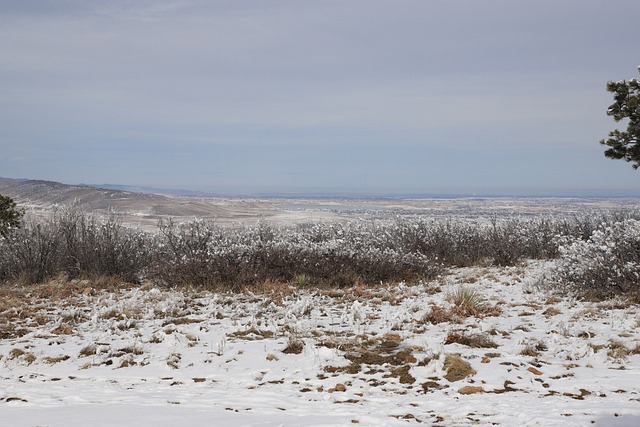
[382, 96]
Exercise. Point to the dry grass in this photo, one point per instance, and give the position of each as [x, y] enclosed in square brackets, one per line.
[277, 292]
[253, 334]
[295, 345]
[376, 354]
[618, 350]
[89, 350]
[132, 349]
[470, 340]
[439, 314]
[551, 311]
[468, 302]
[457, 368]
[54, 360]
[63, 329]
[125, 313]
[534, 348]
[173, 361]
[23, 356]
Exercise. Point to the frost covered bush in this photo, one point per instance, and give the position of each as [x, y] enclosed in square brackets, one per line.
[30, 254]
[93, 246]
[465, 242]
[605, 265]
[76, 244]
[201, 253]
[341, 254]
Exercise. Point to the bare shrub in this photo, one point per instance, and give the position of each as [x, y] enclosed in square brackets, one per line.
[76, 244]
[99, 247]
[362, 252]
[31, 253]
[202, 254]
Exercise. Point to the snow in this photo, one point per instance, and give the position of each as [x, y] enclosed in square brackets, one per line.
[162, 357]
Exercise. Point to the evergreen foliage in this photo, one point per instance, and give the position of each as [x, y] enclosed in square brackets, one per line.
[625, 144]
[10, 216]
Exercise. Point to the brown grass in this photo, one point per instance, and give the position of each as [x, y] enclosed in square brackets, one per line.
[470, 340]
[63, 329]
[89, 350]
[534, 348]
[253, 333]
[23, 356]
[551, 311]
[438, 315]
[617, 350]
[123, 314]
[276, 291]
[294, 346]
[457, 368]
[468, 302]
[54, 360]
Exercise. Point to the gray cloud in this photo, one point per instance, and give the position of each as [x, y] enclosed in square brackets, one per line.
[225, 77]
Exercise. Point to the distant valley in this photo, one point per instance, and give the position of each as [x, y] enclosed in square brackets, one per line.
[145, 207]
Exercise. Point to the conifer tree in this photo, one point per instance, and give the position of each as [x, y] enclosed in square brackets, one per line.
[625, 144]
[10, 216]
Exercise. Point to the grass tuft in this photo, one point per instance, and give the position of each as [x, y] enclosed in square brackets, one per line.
[470, 340]
[466, 301]
[294, 346]
[457, 368]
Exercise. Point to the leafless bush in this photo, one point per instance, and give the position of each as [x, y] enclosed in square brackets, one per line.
[75, 244]
[31, 253]
[100, 247]
[201, 253]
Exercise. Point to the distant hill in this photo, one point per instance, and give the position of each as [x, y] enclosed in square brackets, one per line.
[135, 207]
[152, 190]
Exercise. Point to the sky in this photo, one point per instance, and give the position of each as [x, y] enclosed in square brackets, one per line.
[326, 96]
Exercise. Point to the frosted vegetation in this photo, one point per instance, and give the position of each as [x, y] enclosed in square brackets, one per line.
[598, 254]
[475, 323]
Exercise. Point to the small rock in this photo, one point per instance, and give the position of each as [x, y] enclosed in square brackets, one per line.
[340, 387]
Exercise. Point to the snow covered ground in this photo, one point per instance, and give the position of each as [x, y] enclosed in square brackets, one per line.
[403, 355]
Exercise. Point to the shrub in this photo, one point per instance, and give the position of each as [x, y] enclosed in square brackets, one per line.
[604, 266]
[99, 247]
[200, 253]
[31, 254]
[76, 244]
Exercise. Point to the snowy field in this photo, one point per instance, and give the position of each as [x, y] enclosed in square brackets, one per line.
[411, 354]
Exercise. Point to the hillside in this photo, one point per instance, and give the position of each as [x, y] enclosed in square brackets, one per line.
[41, 197]
[144, 209]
